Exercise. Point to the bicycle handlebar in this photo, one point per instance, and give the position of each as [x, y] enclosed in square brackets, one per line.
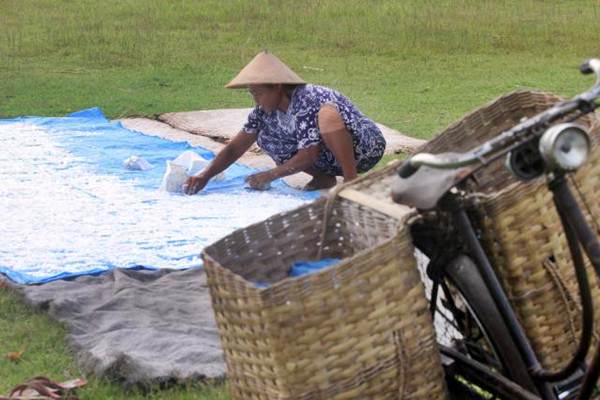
[407, 169]
[580, 102]
[589, 66]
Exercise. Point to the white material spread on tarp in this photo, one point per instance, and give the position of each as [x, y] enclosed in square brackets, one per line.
[60, 216]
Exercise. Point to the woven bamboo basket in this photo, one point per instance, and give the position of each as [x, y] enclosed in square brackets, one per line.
[472, 130]
[357, 329]
[521, 230]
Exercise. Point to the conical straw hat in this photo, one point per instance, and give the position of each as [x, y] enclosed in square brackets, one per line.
[265, 68]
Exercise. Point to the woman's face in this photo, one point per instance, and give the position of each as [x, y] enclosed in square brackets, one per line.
[267, 97]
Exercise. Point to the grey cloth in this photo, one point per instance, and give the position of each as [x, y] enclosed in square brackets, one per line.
[137, 326]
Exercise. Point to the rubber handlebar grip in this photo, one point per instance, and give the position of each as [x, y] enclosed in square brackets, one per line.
[586, 68]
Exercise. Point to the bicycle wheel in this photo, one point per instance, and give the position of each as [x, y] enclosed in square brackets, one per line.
[485, 337]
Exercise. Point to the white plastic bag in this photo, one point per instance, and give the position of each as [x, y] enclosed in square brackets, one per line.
[135, 163]
[185, 165]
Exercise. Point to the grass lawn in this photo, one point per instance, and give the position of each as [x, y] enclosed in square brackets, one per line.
[413, 65]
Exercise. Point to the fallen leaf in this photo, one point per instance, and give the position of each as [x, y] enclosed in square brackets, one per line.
[15, 356]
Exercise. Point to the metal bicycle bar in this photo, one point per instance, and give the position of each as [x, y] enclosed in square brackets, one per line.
[578, 359]
[591, 246]
[590, 379]
[478, 372]
[586, 236]
[495, 288]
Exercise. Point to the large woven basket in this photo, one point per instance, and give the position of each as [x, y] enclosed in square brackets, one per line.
[357, 330]
[521, 230]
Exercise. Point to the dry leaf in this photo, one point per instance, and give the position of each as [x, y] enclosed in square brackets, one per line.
[15, 356]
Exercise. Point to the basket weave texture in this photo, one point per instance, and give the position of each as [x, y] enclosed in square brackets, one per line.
[358, 329]
[521, 230]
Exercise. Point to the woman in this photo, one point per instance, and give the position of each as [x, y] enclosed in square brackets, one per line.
[302, 127]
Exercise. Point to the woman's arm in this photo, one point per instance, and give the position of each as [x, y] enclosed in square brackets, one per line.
[227, 156]
[301, 161]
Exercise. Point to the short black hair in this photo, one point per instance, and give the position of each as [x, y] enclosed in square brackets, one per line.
[288, 89]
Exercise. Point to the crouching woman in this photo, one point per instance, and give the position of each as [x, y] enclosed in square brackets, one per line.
[302, 127]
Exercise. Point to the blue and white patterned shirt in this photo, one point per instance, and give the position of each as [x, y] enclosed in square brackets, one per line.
[281, 134]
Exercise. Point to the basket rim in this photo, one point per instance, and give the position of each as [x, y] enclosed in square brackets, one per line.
[486, 105]
[314, 203]
[306, 278]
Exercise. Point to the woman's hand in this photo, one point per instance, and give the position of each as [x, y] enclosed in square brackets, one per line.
[194, 184]
[260, 181]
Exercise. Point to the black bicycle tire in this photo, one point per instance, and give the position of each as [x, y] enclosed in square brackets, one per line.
[463, 274]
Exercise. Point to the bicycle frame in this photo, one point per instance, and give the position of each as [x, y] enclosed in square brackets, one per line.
[455, 206]
[578, 234]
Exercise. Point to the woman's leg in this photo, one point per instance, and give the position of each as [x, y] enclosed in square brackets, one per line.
[320, 180]
[337, 139]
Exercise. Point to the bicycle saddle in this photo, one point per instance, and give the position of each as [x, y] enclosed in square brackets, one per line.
[425, 187]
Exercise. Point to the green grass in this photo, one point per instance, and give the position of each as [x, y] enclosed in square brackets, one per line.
[46, 353]
[413, 65]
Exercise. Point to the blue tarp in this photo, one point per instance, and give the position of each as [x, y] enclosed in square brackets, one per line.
[300, 268]
[304, 267]
[72, 208]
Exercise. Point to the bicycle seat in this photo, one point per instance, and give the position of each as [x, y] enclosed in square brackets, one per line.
[425, 187]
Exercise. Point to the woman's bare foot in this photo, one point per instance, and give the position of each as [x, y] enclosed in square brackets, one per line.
[321, 182]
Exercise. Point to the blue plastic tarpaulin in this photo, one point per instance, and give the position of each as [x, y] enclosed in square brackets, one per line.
[69, 207]
[300, 268]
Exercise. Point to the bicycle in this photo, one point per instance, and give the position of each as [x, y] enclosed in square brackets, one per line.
[492, 352]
